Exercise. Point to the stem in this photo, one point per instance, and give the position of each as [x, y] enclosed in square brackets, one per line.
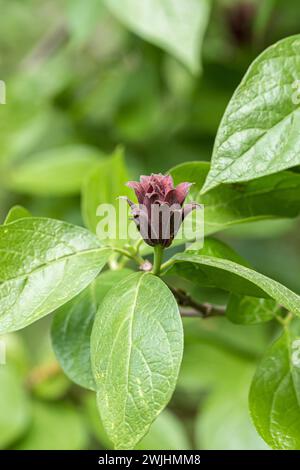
[286, 320]
[134, 256]
[158, 257]
[167, 264]
[204, 310]
[138, 245]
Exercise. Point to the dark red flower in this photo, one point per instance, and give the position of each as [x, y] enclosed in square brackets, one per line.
[240, 19]
[159, 212]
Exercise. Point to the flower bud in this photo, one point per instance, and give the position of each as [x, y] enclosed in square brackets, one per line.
[159, 212]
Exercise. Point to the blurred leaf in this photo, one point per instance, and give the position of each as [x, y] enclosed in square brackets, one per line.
[262, 229]
[55, 172]
[72, 327]
[44, 264]
[15, 408]
[136, 350]
[223, 421]
[104, 185]
[267, 197]
[217, 272]
[259, 134]
[52, 388]
[274, 398]
[16, 352]
[213, 350]
[166, 433]
[83, 19]
[94, 420]
[54, 427]
[173, 25]
[250, 310]
[15, 213]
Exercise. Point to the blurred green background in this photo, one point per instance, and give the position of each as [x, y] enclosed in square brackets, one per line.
[79, 83]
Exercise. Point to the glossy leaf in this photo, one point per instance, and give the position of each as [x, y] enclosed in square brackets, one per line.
[273, 196]
[259, 133]
[275, 394]
[44, 263]
[211, 271]
[54, 172]
[166, 433]
[137, 344]
[72, 327]
[176, 26]
[250, 310]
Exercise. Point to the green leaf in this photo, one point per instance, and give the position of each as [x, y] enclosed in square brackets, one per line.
[250, 310]
[15, 409]
[259, 133]
[104, 185]
[267, 197]
[218, 249]
[136, 350]
[223, 422]
[274, 398]
[167, 431]
[211, 271]
[72, 327]
[44, 263]
[55, 172]
[83, 21]
[54, 427]
[175, 26]
[15, 213]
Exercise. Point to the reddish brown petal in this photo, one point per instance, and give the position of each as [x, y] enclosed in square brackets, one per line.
[182, 191]
[168, 183]
[138, 189]
[171, 197]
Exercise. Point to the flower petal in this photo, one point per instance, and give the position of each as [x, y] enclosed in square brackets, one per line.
[138, 189]
[182, 191]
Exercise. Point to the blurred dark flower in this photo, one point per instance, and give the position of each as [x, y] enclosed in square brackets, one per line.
[240, 18]
[159, 212]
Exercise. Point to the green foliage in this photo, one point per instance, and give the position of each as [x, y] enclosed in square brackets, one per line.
[53, 172]
[224, 422]
[258, 134]
[72, 327]
[274, 196]
[215, 272]
[15, 213]
[15, 412]
[54, 427]
[44, 263]
[137, 345]
[103, 185]
[250, 310]
[178, 28]
[166, 433]
[274, 394]
[79, 85]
